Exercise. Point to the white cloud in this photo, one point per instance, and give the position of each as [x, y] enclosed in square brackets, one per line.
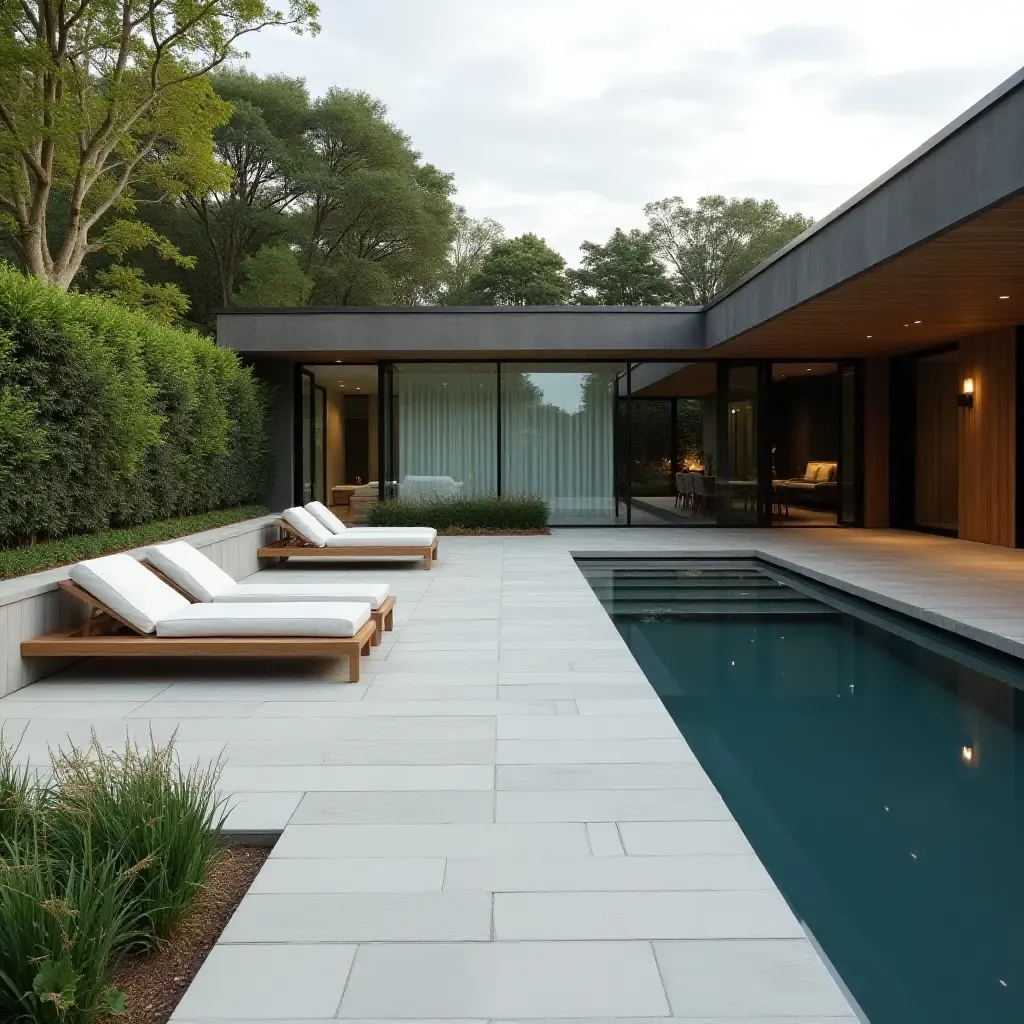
[564, 117]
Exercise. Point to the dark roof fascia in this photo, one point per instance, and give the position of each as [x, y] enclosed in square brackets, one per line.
[570, 310]
[1000, 92]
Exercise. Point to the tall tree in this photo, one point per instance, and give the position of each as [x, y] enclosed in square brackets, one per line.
[102, 98]
[265, 146]
[377, 221]
[712, 245]
[622, 272]
[473, 241]
[523, 271]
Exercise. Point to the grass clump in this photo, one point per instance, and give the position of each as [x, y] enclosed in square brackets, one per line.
[103, 854]
[63, 925]
[161, 821]
[521, 513]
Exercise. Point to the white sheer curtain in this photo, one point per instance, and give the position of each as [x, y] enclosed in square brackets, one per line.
[447, 427]
[558, 429]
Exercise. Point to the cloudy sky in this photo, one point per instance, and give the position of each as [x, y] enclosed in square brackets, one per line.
[564, 117]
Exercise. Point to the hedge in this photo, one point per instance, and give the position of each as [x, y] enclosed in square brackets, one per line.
[52, 553]
[109, 419]
[486, 513]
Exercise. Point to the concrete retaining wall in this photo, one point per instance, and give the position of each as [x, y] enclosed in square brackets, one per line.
[31, 605]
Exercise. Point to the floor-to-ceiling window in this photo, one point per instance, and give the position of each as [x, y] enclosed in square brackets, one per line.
[558, 426]
[446, 428]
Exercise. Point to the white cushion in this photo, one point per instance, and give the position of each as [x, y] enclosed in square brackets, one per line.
[384, 539]
[374, 594]
[292, 618]
[129, 589]
[319, 511]
[386, 531]
[200, 578]
[306, 526]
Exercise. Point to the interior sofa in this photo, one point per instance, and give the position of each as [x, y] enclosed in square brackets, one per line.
[817, 488]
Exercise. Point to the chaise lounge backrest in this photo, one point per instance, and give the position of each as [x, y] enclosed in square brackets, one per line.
[306, 526]
[325, 517]
[129, 590]
[189, 569]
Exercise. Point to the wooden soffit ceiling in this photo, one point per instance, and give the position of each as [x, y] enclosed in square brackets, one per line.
[946, 289]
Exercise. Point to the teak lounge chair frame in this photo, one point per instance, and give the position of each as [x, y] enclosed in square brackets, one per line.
[383, 617]
[100, 636]
[293, 545]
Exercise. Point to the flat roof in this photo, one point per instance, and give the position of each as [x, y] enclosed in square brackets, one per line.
[971, 166]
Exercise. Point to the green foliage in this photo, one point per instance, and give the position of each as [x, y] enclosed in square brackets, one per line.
[711, 246]
[523, 271]
[104, 855]
[161, 823]
[35, 557]
[125, 285]
[104, 101]
[623, 272]
[526, 512]
[63, 925]
[117, 419]
[273, 277]
[473, 241]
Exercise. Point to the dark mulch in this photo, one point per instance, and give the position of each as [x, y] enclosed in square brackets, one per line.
[155, 982]
[456, 531]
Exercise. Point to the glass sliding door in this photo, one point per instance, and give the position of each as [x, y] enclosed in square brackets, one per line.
[319, 428]
[447, 429]
[737, 494]
[558, 437]
[304, 424]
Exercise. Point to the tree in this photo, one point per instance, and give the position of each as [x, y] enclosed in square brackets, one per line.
[523, 271]
[127, 286]
[265, 146]
[623, 272]
[377, 222]
[102, 99]
[473, 241]
[273, 277]
[711, 246]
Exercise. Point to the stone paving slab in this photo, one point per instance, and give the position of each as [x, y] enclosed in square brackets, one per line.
[501, 822]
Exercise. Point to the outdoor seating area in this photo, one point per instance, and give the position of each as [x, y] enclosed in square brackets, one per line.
[176, 602]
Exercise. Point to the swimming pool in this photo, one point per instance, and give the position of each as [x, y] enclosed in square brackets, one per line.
[876, 766]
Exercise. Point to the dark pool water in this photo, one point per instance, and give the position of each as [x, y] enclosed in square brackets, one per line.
[877, 767]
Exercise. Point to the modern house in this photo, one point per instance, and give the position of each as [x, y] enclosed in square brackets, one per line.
[867, 374]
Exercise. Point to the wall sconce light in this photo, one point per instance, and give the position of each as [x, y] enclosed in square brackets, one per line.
[967, 755]
[966, 397]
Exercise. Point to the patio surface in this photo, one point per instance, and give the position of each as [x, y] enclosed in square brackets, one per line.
[501, 822]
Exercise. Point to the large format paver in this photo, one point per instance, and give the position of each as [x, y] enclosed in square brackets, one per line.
[501, 822]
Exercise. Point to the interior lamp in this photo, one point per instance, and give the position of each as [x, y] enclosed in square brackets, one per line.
[966, 397]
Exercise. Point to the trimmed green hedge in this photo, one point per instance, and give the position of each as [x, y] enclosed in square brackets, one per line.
[488, 513]
[109, 419]
[48, 555]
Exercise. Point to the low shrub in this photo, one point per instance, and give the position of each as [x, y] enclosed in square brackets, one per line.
[523, 512]
[162, 822]
[63, 926]
[35, 557]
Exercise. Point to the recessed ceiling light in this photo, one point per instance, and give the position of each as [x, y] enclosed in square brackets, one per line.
[906, 325]
[917, 321]
[869, 335]
[1004, 296]
[808, 369]
[337, 360]
[359, 389]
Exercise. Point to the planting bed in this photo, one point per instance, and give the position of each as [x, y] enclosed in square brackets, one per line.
[154, 982]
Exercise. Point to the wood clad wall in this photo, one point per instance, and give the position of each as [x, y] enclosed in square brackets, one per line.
[987, 439]
[876, 443]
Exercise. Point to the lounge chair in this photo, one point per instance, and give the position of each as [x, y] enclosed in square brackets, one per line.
[326, 518]
[305, 537]
[191, 573]
[133, 613]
